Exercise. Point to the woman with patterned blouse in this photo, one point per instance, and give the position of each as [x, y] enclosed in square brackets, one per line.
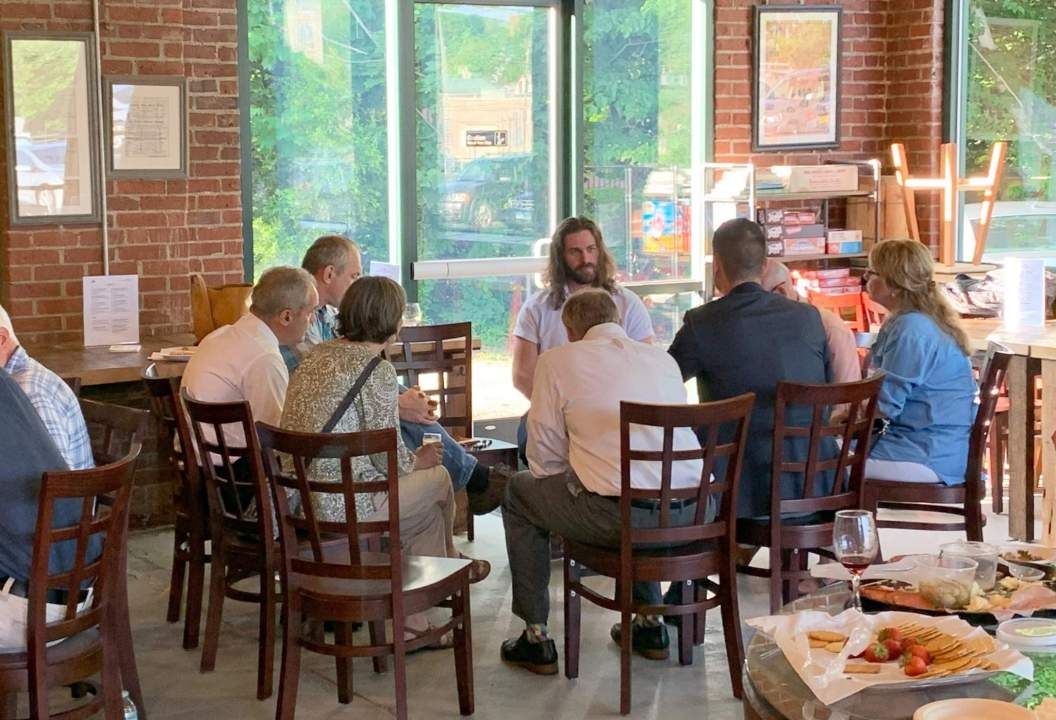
[368, 320]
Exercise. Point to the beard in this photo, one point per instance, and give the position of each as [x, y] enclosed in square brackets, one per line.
[584, 274]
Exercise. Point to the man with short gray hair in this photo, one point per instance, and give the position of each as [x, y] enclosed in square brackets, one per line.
[573, 486]
[242, 361]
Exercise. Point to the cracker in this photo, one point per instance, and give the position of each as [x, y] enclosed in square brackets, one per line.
[835, 647]
[862, 668]
[816, 644]
[826, 635]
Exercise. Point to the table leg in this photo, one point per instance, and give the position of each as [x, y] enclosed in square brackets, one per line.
[1021, 373]
[1048, 450]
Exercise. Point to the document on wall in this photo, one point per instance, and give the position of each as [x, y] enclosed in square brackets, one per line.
[1024, 300]
[111, 310]
[384, 269]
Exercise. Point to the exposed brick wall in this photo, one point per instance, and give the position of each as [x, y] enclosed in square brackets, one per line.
[159, 229]
[890, 88]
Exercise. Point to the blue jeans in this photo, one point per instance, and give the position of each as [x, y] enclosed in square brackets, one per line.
[458, 463]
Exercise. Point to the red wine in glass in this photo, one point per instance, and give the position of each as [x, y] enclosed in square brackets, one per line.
[856, 563]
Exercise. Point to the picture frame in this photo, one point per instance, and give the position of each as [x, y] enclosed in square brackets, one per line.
[796, 77]
[52, 128]
[146, 126]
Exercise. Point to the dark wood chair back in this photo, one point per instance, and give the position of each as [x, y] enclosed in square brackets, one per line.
[422, 354]
[238, 499]
[990, 387]
[852, 430]
[113, 429]
[164, 403]
[719, 476]
[74, 383]
[99, 545]
[297, 517]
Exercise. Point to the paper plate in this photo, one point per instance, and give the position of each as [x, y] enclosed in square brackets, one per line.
[972, 709]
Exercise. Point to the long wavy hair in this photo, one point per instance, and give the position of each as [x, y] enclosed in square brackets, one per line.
[907, 268]
[557, 272]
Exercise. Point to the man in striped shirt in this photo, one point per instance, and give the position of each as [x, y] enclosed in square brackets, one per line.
[51, 397]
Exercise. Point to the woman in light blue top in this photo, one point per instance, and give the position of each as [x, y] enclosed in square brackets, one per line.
[928, 394]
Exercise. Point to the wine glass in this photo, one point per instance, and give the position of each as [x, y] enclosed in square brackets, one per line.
[856, 544]
[412, 314]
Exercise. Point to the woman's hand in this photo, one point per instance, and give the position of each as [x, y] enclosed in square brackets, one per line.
[428, 456]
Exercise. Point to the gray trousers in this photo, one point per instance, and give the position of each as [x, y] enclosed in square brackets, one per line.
[535, 507]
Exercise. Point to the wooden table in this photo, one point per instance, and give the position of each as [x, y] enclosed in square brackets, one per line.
[99, 366]
[1034, 354]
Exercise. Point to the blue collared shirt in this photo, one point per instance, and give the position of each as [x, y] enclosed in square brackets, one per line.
[57, 406]
[928, 394]
[322, 328]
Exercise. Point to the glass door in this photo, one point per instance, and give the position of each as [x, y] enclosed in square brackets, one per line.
[486, 163]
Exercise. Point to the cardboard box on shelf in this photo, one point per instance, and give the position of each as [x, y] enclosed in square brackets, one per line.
[843, 248]
[775, 248]
[773, 232]
[823, 178]
[837, 236]
[800, 217]
[769, 216]
[815, 230]
[830, 273]
[804, 246]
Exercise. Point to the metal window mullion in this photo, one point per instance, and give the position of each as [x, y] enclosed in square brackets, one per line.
[402, 101]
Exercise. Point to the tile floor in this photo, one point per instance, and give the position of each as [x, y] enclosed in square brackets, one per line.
[175, 690]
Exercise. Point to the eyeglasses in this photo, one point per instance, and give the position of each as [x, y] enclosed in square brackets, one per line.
[868, 274]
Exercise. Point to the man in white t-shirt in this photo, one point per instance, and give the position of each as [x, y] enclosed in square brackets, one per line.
[578, 259]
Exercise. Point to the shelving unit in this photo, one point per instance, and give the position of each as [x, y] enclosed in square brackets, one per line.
[750, 196]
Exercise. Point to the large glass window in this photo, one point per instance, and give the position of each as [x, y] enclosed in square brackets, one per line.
[318, 126]
[637, 128]
[483, 168]
[1011, 95]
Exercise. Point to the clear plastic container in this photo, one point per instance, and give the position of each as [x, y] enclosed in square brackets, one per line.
[984, 554]
[946, 582]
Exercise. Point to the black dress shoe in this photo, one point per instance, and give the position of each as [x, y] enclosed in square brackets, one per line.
[482, 502]
[649, 642]
[537, 657]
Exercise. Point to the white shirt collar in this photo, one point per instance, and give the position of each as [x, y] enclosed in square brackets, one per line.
[254, 326]
[605, 330]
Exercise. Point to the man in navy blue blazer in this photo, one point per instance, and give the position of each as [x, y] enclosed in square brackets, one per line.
[747, 341]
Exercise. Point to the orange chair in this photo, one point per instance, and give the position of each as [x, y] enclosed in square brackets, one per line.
[875, 313]
[840, 303]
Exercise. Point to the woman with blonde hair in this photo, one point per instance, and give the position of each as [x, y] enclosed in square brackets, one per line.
[928, 394]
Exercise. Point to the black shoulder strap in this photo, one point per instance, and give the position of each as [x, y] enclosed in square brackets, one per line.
[351, 395]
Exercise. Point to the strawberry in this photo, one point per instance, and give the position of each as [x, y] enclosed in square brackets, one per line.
[894, 647]
[890, 633]
[916, 666]
[876, 653]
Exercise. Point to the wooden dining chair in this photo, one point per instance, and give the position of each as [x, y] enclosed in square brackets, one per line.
[344, 583]
[114, 431]
[86, 640]
[692, 552]
[827, 476]
[964, 500]
[875, 313]
[840, 304]
[240, 526]
[448, 378]
[190, 507]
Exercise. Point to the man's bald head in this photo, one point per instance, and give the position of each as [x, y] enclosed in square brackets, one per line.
[777, 279]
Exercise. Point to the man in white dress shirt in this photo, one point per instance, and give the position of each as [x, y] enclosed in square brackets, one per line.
[242, 361]
[573, 486]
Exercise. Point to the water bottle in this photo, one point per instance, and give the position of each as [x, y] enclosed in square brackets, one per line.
[128, 707]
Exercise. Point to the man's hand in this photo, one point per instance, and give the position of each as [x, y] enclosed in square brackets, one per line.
[428, 456]
[415, 406]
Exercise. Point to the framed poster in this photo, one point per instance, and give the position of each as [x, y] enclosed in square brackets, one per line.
[796, 81]
[52, 111]
[146, 126]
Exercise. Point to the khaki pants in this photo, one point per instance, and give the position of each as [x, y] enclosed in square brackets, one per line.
[427, 512]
